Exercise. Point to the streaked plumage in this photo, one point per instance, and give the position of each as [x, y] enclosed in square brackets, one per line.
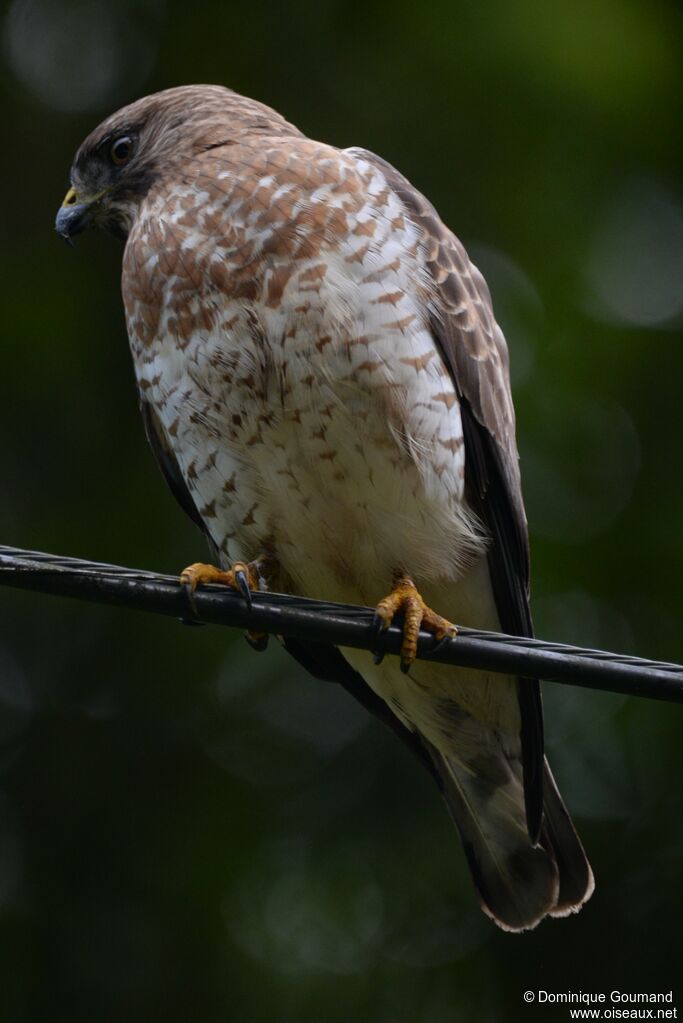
[323, 382]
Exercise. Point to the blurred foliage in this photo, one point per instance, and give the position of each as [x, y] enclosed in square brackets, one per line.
[191, 832]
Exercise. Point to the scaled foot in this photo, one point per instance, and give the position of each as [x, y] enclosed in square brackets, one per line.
[404, 598]
[243, 576]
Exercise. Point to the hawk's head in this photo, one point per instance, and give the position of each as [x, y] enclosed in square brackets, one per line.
[120, 161]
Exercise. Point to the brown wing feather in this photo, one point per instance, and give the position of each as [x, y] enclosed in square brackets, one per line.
[474, 350]
[168, 464]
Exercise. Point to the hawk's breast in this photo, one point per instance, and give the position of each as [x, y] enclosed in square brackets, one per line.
[280, 328]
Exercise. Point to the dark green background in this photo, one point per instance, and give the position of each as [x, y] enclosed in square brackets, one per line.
[189, 831]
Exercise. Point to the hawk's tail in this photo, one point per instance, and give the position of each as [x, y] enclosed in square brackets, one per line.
[518, 883]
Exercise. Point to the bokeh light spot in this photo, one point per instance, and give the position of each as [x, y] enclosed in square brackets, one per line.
[635, 263]
[581, 467]
[79, 56]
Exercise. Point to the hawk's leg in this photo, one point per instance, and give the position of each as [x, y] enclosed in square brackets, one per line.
[243, 577]
[404, 598]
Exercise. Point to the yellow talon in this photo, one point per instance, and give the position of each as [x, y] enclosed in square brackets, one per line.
[199, 573]
[405, 598]
[241, 577]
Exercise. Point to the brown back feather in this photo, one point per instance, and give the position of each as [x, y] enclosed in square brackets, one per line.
[474, 351]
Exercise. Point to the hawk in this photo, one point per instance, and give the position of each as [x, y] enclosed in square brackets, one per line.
[326, 389]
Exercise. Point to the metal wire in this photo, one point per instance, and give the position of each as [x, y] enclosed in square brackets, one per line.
[337, 624]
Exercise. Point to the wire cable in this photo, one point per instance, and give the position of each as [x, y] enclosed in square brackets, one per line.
[336, 624]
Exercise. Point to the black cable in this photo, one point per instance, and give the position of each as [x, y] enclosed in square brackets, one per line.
[337, 624]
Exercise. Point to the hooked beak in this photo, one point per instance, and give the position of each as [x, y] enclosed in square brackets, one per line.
[73, 216]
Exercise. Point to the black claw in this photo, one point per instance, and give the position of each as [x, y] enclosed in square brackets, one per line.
[439, 645]
[258, 643]
[189, 596]
[243, 583]
[405, 666]
[378, 625]
[192, 617]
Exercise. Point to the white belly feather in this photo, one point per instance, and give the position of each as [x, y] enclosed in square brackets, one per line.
[326, 429]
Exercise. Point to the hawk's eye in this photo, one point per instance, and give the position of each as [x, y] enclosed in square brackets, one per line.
[121, 150]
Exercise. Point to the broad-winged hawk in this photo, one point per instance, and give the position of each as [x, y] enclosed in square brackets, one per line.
[326, 389]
